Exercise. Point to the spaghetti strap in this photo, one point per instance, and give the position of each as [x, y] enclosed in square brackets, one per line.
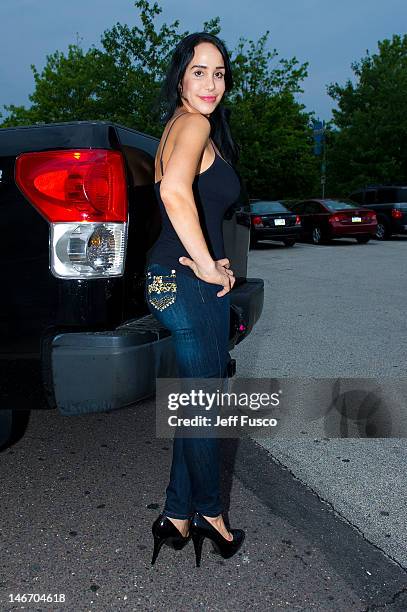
[162, 150]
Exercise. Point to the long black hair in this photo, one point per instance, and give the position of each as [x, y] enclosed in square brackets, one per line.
[170, 97]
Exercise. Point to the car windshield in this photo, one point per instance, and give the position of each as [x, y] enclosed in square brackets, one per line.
[402, 195]
[261, 207]
[339, 204]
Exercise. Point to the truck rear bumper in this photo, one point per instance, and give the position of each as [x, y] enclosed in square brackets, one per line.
[399, 227]
[103, 371]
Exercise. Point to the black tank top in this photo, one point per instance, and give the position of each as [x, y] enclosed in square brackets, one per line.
[214, 189]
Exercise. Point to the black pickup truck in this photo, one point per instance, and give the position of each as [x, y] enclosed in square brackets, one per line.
[78, 217]
[390, 205]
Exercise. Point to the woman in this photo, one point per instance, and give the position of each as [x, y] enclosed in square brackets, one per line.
[188, 276]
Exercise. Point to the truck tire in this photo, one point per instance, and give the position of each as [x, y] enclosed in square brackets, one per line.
[13, 424]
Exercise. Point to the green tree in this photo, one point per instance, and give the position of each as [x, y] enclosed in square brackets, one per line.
[274, 131]
[277, 158]
[68, 89]
[120, 82]
[368, 144]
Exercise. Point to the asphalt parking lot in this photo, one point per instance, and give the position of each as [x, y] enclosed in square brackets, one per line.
[325, 517]
[337, 314]
[335, 310]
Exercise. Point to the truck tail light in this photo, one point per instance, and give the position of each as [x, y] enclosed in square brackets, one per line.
[396, 213]
[83, 195]
[298, 220]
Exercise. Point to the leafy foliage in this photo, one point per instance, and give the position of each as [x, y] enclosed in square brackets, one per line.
[368, 145]
[120, 82]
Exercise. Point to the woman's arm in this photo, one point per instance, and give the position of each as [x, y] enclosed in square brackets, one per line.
[176, 186]
[178, 198]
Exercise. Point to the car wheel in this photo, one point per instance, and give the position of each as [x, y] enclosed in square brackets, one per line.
[316, 235]
[382, 230]
[362, 239]
[289, 242]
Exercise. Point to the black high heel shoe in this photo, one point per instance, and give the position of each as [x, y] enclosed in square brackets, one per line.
[165, 532]
[200, 529]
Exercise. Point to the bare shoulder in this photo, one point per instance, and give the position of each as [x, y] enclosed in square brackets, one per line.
[194, 123]
[186, 144]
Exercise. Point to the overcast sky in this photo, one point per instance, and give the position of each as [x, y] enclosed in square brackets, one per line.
[327, 33]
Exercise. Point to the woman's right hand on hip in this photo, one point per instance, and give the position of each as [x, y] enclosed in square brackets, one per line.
[219, 274]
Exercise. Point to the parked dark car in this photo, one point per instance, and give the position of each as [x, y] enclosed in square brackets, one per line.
[78, 218]
[324, 219]
[390, 205]
[271, 220]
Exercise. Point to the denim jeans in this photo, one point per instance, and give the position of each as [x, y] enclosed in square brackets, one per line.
[199, 323]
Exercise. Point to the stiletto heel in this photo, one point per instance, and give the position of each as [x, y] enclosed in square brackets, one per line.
[198, 541]
[157, 545]
[200, 529]
[165, 532]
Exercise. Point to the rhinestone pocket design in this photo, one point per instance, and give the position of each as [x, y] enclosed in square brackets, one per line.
[159, 285]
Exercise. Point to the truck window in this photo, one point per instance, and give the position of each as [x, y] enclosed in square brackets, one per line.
[401, 195]
[386, 194]
[357, 197]
[370, 196]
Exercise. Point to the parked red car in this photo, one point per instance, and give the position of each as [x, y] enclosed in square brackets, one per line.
[322, 220]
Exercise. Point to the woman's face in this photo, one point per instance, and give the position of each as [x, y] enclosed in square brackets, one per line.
[203, 84]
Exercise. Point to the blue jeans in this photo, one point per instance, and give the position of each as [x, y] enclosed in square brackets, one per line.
[199, 324]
